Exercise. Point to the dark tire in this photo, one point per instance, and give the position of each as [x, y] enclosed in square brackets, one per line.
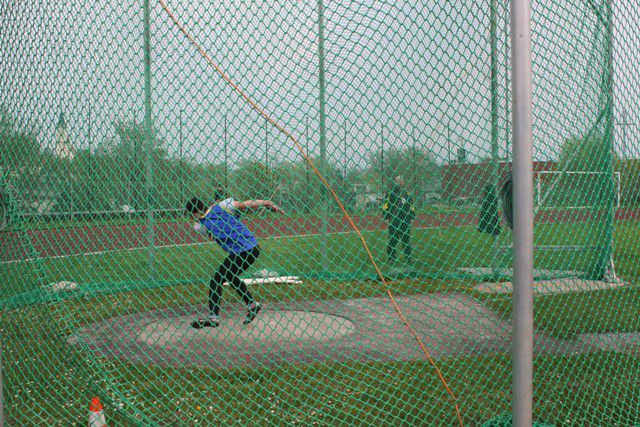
[506, 194]
[4, 212]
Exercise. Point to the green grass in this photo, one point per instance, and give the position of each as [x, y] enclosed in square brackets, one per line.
[566, 315]
[42, 371]
[598, 311]
[587, 389]
[437, 254]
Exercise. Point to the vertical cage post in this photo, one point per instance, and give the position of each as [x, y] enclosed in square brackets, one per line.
[323, 129]
[149, 142]
[522, 213]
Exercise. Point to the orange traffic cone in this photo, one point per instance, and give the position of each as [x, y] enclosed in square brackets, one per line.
[96, 416]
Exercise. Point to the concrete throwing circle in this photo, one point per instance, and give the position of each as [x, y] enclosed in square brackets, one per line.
[299, 332]
[326, 331]
[270, 328]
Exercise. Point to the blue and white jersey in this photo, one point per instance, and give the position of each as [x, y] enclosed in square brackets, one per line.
[229, 232]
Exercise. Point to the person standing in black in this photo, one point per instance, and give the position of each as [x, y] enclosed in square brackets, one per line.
[399, 212]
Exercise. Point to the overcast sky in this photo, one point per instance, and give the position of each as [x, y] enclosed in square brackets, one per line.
[398, 74]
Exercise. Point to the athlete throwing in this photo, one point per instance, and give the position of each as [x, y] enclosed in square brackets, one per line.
[220, 223]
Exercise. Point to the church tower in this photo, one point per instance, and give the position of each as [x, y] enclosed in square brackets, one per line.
[64, 149]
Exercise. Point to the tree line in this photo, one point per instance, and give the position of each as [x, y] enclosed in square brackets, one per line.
[126, 174]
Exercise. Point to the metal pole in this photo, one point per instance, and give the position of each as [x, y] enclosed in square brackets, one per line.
[323, 126]
[149, 141]
[267, 183]
[181, 184]
[307, 189]
[414, 168]
[494, 90]
[495, 160]
[266, 145]
[382, 180]
[623, 149]
[89, 126]
[522, 213]
[90, 156]
[321, 83]
[507, 151]
[609, 272]
[345, 151]
[449, 139]
[226, 158]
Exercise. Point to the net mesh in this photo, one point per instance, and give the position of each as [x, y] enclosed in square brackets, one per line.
[381, 131]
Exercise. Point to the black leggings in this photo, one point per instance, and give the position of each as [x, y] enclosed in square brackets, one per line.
[231, 268]
[399, 232]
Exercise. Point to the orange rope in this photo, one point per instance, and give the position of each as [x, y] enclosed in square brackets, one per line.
[326, 184]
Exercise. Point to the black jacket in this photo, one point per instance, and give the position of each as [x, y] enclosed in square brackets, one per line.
[398, 206]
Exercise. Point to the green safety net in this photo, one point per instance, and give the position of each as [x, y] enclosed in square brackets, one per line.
[382, 131]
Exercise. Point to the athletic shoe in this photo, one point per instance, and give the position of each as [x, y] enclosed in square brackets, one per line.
[209, 322]
[252, 311]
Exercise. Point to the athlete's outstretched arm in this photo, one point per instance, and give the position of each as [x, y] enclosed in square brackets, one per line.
[254, 204]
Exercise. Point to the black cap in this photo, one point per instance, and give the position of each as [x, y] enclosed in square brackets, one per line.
[195, 205]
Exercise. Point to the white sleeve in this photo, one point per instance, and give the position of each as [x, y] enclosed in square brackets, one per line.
[199, 228]
[228, 205]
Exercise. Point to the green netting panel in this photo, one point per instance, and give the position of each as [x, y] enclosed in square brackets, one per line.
[381, 131]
